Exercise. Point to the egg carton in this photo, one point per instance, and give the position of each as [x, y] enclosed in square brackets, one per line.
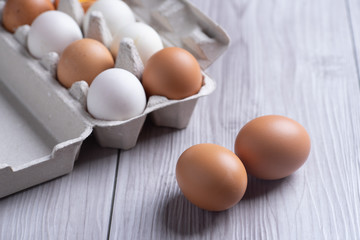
[44, 124]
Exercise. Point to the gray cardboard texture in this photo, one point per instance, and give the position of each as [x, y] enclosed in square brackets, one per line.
[41, 130]
[181, 24]
[43, 124]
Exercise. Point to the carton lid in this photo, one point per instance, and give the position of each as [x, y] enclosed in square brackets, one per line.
[36, 116]
[181, 24]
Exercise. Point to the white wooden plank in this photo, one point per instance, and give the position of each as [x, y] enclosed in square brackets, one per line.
[293, 58]
[353, 8]
[75, 206]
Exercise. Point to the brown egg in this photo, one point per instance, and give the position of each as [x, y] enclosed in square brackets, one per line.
[272, 147]
[84, 3]
[83, 60]
[20, 12]
[211, 177]
[172, 72]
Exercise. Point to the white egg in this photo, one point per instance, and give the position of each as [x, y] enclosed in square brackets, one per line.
[146, 40]
[116, 94]
[52, 31]
[117, 14]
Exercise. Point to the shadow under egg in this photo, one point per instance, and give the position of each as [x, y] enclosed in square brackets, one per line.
[185, 219]
[258, 187]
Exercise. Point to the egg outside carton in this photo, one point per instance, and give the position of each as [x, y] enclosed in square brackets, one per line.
[62, 113]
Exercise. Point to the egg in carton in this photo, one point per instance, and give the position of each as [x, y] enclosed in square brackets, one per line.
[59, 121]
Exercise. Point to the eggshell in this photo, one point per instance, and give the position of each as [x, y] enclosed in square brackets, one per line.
[20, 12]
[211, 177]
[86, 4]
[146, 39]
[116, 94]
[172, 72]
[83, 60]
[272, 147]
[117, 14]
[52, 31]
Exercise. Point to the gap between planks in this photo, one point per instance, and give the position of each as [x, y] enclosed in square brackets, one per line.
[113, 193]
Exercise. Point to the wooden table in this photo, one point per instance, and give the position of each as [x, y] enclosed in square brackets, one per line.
[294, 58]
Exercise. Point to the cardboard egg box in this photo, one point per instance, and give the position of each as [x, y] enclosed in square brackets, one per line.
[44, 124]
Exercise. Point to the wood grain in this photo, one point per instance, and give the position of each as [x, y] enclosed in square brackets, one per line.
[293, 58]
[76, 206]
[353, 8]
